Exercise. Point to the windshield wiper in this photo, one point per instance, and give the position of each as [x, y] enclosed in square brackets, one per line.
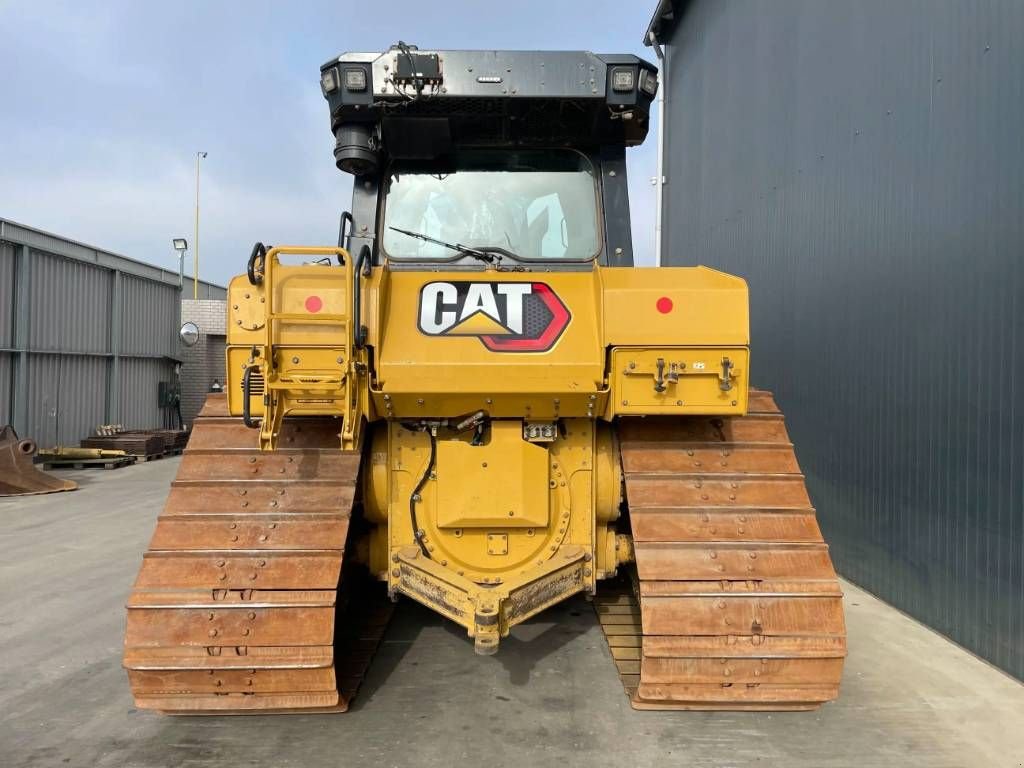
[499, 250]
[464, 250]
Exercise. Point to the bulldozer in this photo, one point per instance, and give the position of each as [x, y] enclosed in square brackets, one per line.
[475, 401]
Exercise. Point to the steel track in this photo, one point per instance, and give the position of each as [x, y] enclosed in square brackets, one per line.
[734, 603]
[241, 605]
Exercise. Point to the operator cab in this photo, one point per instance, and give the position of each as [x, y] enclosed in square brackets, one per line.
[470, 160]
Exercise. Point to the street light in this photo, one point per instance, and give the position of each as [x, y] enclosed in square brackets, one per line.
[181, 245]
[195, 253]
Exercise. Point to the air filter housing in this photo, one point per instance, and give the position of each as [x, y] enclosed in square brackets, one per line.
[355, 148]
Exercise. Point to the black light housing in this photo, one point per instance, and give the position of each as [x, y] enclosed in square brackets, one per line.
[419, 105]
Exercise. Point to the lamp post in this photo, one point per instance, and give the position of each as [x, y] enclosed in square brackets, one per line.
[195, 252]
[181, 245]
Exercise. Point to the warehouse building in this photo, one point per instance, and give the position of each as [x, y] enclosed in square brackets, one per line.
[87, 337]
[860, 165]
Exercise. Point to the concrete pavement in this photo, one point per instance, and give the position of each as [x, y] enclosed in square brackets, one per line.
[550, 697]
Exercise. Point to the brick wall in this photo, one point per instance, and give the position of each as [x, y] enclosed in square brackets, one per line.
[204, 362]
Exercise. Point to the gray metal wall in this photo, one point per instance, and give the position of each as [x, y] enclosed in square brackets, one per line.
[85, 336]
[862, 165]
[6, 330]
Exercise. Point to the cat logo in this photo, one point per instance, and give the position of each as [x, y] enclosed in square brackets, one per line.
[506, 317]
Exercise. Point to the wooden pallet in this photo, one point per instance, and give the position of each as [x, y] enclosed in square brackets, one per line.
[112, 462]
[153, 457]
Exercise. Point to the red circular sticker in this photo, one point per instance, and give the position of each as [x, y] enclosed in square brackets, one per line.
[314, 304]
[664, 305]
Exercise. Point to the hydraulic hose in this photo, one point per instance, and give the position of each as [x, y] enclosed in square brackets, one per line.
[246, 396]
[257, 263]
[416, 494]
[362, 269]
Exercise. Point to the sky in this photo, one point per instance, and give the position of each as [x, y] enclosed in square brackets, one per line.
[103, 106]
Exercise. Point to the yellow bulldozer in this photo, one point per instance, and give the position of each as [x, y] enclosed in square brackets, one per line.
[477, 402]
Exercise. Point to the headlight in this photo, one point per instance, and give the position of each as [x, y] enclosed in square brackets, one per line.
[329, 81]
[355, 79]
[648, 82]
[622, 80]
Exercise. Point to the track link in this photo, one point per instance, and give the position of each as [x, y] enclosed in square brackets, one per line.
[236, 608]
[735, 603]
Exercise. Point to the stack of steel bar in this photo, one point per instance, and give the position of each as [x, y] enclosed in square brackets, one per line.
[143, 442]
[139, 444]
[174, 439]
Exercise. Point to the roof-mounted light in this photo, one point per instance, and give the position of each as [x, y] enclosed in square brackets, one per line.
[329, 80]
[648, 82]
[623, 79]
[355, 79]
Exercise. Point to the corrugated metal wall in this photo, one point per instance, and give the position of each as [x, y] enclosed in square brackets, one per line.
[68, 304]
[81, 398]
[6, 377]
[6, 330]
[6, 296]
[43, 372]
[862, 165]
[140, 378]
[86, 336]
[148, 305]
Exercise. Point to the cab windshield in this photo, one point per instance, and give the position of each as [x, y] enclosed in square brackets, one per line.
[532, 205]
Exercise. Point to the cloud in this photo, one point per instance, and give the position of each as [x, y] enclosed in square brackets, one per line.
[106, 105]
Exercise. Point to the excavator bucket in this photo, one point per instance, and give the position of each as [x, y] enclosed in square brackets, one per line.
[18, 475]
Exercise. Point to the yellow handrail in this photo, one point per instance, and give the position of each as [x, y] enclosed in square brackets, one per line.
[270, 263]
[277, 389]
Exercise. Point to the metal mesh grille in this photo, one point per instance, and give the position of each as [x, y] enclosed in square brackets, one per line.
[256, 384]
[536, 316]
